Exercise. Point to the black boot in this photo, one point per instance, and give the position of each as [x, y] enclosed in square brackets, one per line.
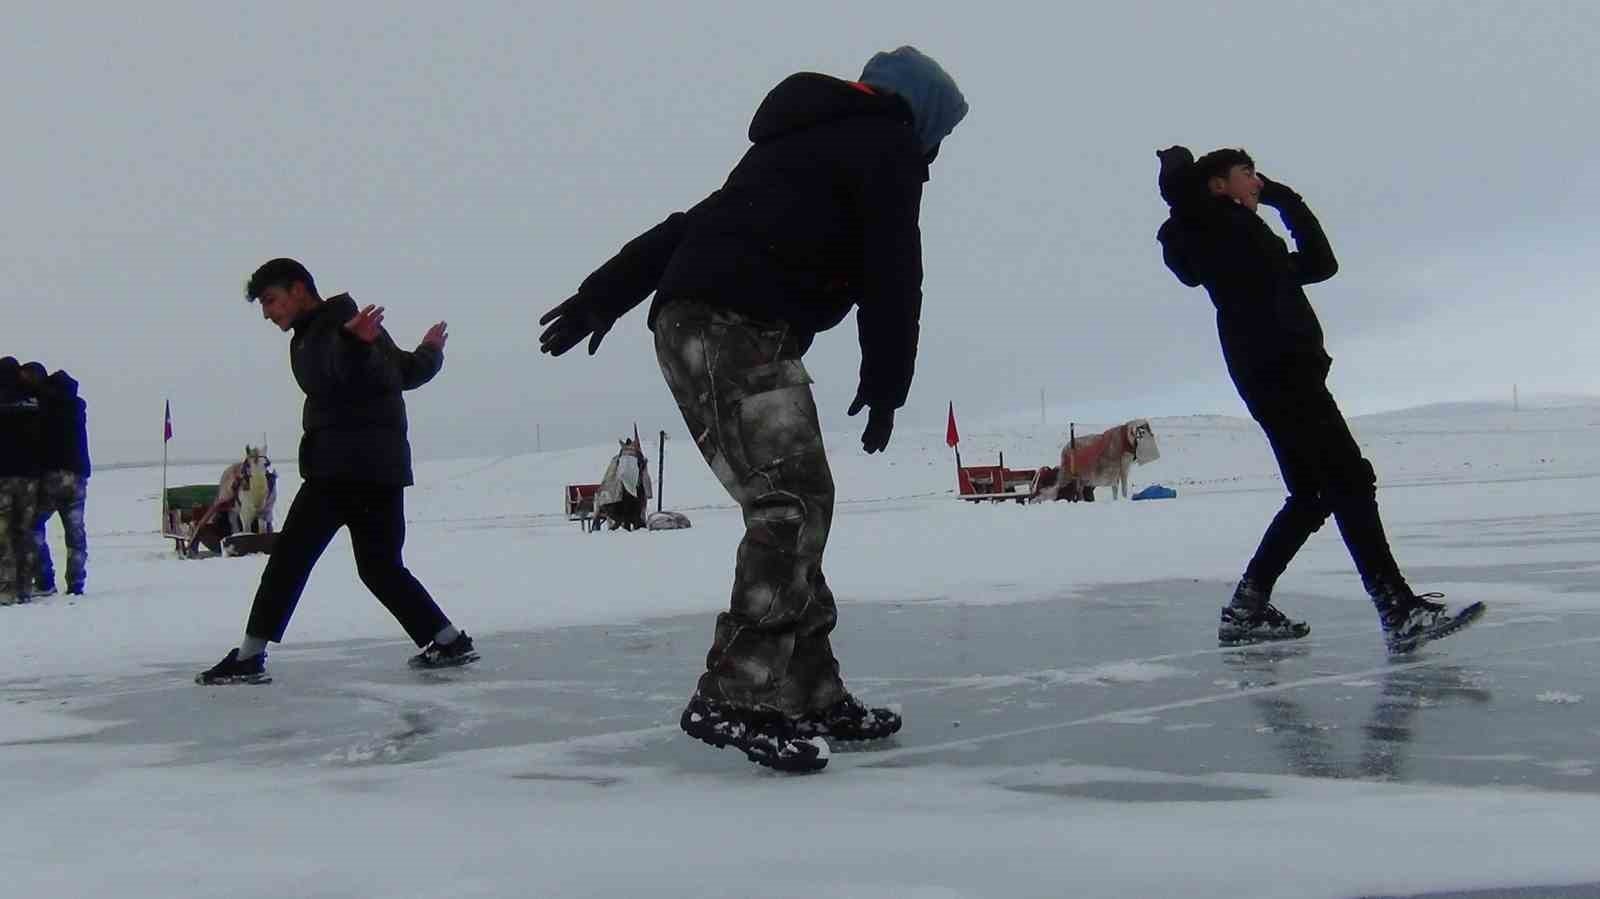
[1410, 620]
[1252, 618]
[849, 720]
[234, 670]
[766, 738]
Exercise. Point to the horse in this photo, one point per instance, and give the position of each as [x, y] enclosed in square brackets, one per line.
[624, 493]
[1104, 460]
[250, 487]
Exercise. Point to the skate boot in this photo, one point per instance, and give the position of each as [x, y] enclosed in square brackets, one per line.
[766, 738]
[454, 654]
[1252, 618]
[1409, 620]
[848, 720]
[234, 670]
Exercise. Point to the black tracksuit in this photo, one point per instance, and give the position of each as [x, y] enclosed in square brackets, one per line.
[1273, 345]
[356, 462]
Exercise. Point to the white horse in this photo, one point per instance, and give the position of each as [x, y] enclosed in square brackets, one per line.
[252, 486]
[625, 491]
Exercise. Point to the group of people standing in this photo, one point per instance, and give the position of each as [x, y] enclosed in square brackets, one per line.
[44, 472]
[818, 218]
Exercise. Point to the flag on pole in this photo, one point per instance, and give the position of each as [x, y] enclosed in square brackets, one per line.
[167, 427]
[951, 436]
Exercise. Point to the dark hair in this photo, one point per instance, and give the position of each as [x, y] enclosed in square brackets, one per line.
[1218, 163]
[278, 273]
[35, 370]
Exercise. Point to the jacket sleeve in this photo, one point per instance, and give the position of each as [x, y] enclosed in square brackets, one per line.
[382, 367]
[889, 313]
[417, 367]
[1312, 261]
[626, 279]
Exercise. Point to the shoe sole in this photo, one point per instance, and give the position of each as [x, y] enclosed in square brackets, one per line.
[837, 738]
[234, 680]
[1462, 620]
[710, 738]
[1254, 640]
[457, 662]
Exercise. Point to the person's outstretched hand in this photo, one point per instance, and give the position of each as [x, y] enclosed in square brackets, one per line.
[367, 324]
[880, 425]
[436, 337]
[570, 323]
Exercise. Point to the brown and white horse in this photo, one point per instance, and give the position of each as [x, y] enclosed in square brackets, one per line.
[1104, 460]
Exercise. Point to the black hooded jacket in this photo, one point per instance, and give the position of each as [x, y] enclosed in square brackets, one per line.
[20, 422]
[1265, 321]
[820, 214]
[355, 417]
[64, 426]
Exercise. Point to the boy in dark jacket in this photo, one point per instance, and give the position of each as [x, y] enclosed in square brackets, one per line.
[1273, 346]
[64, 483]
[19, 482]
[355, 462]
[820, 215]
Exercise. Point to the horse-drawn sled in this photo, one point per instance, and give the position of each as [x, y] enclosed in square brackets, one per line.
[232, 517]
[622, 498]
[1101, 460]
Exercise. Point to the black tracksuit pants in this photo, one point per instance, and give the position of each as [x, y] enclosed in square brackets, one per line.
[1324, 472]
[375, 515]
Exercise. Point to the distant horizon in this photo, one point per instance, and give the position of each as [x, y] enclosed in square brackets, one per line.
[1535, 401]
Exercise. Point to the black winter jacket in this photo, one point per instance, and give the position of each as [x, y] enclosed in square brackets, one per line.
[820, 214]
[65, 428]
[355, 417]
[1264, 319]
[20, 421]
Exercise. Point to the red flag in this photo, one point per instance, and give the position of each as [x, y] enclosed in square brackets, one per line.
[951, 437]
[167, 427]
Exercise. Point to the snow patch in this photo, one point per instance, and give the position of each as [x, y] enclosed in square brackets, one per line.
[1556, 697]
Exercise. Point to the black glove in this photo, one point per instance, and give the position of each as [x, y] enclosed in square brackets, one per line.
[880, 424]
[1277, 195]
[573, 321]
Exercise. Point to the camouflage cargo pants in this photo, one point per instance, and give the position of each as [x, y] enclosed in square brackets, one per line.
[746, 399]
[62, 493]
[18, 499]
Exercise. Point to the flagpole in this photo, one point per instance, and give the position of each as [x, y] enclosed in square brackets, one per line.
[954, 440]
[165, 423]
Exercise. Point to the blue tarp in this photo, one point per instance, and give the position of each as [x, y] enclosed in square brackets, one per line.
[1156, 491]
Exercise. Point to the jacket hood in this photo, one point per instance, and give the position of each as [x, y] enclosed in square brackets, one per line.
[809, 99]
[1179, 182]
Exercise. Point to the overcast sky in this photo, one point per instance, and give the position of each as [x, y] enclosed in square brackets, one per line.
[473, 162]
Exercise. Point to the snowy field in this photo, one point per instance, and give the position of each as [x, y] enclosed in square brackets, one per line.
[1072, 728]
